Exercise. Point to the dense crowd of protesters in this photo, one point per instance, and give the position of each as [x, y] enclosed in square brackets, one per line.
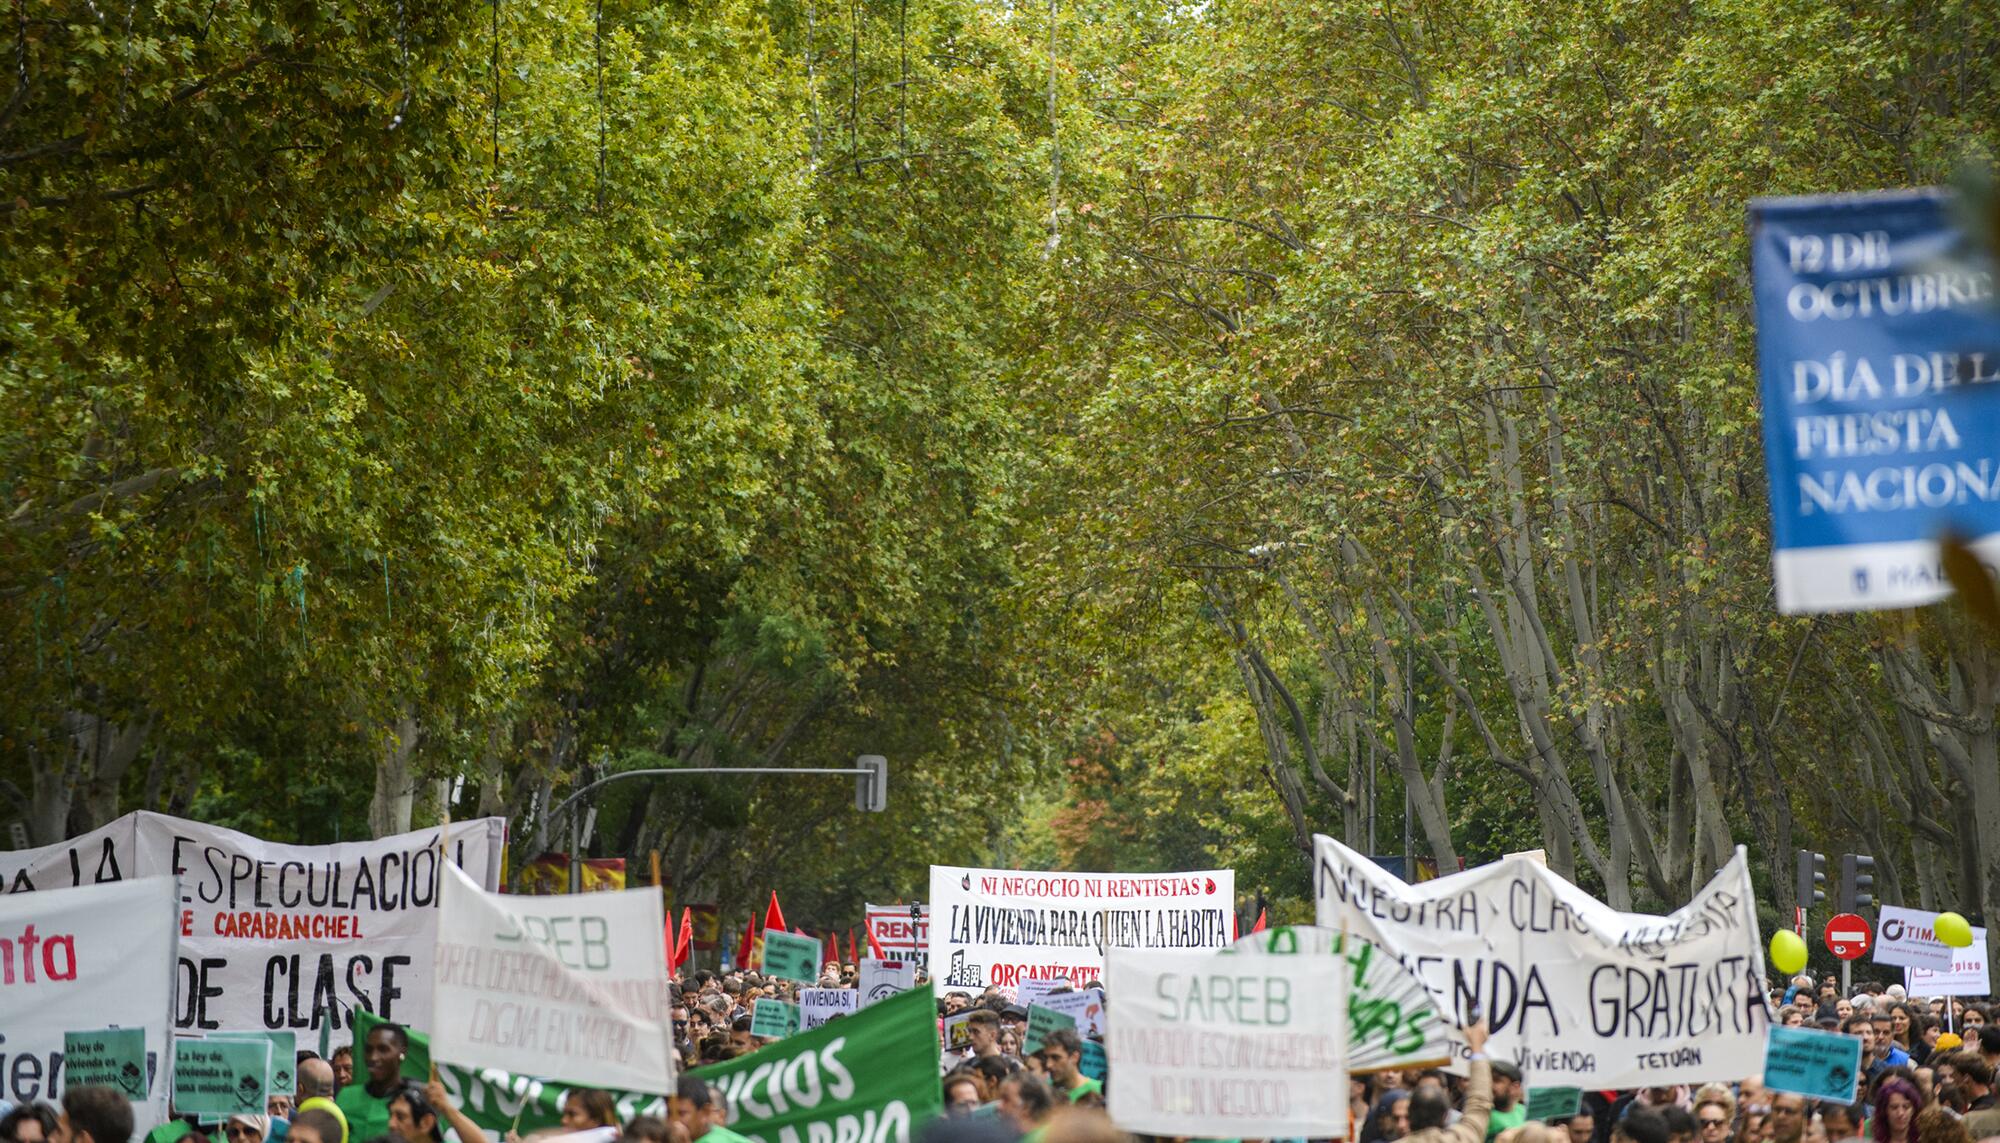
[1927, 1076]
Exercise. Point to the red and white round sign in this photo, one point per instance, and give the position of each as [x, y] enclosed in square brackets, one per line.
[1848, 936]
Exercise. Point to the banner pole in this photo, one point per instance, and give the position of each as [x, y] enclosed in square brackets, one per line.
[444, 831]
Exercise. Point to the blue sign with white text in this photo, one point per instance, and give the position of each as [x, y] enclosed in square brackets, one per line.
[1812, 1063]
[1878, 342]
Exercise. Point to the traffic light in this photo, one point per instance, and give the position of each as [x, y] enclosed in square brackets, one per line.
[871, 787]
[1812, 878]
[1857, 881]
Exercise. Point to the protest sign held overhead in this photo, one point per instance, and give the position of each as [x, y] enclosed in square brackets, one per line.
[1906, 937]
[870, 1078]
[1967, 976]
[1812, 1063]
[818, 1005]
[570, 987]
[280, 936]
[789, 956]
[897, 932]
[86, 960]
[881, 979]
[219, 1078]
[1876, 333]
[774, 1019]
[1001, 926]
[1392, 1020]
[1577, 993]
[107, 1057]
[1228, 1047]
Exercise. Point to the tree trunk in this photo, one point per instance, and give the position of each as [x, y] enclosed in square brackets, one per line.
[395, 791]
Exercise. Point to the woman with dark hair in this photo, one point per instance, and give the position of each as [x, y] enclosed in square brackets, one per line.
[28, 1123]
[586, 1108]
[1896, 1106]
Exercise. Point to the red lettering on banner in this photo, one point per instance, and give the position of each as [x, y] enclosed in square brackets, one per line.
[18, 960]
[285, 927]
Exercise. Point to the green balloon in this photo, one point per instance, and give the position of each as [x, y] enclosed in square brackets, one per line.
[1953, 930]
[1788, 952]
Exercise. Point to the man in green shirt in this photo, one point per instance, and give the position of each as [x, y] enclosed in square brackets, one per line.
[366, 1104]
[1061, 1052]
[1509, 1110]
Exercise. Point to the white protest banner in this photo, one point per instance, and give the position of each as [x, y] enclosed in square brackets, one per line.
[280, 936]
[1904, 937]
[1392, 1022]
[1002, 926]
[88, 959]
[881, 979]
[818, 1005]
[1085, 1007]
[1221, 1047]
[1967, 976]
[1030, 992]
[570, 987]
[1577, 993]
[894, 934]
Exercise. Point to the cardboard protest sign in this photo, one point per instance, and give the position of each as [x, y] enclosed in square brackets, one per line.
[220, 1078]
[501, 1101]
[280, 936]
[872, 1076]
[789, 956]
[1905, 937]
[284, 1057]
[957, 1032]
[1577, 993]
[881, 979]
[1224, 1047]
[1968, 975]
[1871, 312]
[774, 1019]
[1812, 1063]
[108, 1057]
[1001, 926]
[818, 1005]
[1086, 1008]
[1030, 992]
[1392, 1022]
[77, 960]
[571, 987]
[1552, 1103]
[1041, 1022]
[894, 934]
[1094, 1062]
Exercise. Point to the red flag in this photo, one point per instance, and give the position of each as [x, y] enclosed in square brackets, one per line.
[1259, 926]
[668, 936]
[833, 948]
[874, 946]
[683, 948]
[774, 917]
[853, 954]
[743, 950]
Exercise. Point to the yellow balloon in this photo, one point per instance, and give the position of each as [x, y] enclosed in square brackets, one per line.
[1953, 930]
[1788, 952]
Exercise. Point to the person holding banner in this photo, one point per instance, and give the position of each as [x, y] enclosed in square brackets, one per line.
[366, 1105]
[1430, 1107]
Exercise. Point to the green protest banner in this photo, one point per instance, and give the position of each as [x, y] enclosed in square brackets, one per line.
[870, 1076]
[1551, 1103]
[219, 1078]
[501, 1101]
[1042, 1021]
[284, 1057]
[110, 1057]
[774, 1019]
[789, 956]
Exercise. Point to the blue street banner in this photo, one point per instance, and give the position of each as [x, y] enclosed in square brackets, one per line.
[1878, 342]
[1815, 1064]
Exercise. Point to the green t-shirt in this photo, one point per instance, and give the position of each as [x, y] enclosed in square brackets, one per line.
[721, 1134]
[367, 1115]
[169, 1132]
[1084, 1087]
[1500, 1120]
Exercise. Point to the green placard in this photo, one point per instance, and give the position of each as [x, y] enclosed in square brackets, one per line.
[877, 1073]
[220, 1078]
[1042, 1021]
[112, 1057]
[1549, 1103]
[789, 956]
[774, 1019]
[284, 1057]
[1094, 1062]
